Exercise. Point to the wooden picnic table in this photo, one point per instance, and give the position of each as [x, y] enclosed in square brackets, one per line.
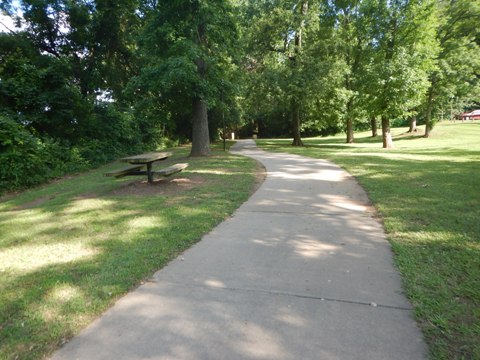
[139, 162]
[145, 159]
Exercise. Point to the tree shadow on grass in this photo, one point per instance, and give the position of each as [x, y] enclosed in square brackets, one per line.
[48, 302]
[39, 318]
[82, 248]
[409, 136]
[428, 200]
[453, 153]
[431, 215]
[322, 142]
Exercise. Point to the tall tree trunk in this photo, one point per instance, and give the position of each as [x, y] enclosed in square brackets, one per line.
[200, 134]
[428, 112]
[349, 131]
[413, 124]
[296, 125]
[386, 134]
[373, 124]
[296, 120]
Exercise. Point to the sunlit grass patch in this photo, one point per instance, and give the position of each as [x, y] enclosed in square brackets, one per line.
[428, 194]
[27, 258]
[69, 249]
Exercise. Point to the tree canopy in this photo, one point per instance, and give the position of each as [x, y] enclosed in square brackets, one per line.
[95, 79]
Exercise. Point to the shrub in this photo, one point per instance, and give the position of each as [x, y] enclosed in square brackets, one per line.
[20, 156]
[27, 160]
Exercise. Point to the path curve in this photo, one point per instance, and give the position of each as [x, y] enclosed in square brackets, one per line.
[301, 271]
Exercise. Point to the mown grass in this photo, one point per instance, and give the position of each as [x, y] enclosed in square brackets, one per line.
[69, 249]
[428, 193]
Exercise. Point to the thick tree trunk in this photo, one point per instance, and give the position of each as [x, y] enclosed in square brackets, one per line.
[386, 134]
[296, 120]
[200, 134]
[413, 125]
[373, 124]
[349, 131]
[389, 52]
[296, 125]
[428, 113]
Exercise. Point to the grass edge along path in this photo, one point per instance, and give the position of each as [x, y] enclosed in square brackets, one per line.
[427, 193]
[70, 249]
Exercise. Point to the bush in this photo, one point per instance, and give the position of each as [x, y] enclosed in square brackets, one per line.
[109, 134]
[27, 160]
[400, 122]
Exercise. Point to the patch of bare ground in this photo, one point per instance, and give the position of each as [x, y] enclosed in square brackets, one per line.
[34, 203]
[164, 186]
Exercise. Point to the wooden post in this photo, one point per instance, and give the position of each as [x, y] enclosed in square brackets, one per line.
[149, 173]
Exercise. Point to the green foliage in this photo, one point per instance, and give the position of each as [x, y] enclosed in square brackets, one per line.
[27, 160]
[187, 53]
[358, 59]
[40, 92]
[285, 68]
[19, 155]
[107, 78]
[109, 133]
[454, 84]
[403, 54]
[61, 82]
[344, 29]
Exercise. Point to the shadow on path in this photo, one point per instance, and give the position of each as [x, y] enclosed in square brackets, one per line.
[301, 271]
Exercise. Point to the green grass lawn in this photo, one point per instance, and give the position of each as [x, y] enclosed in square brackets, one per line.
[428, 193]
[69, 249]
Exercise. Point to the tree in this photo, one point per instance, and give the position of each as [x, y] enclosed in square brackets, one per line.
[298, 43]
[37, 90]
[350, 39]
[280, 50]
[63, 72]
[373, 126]
[455, 78]
[186, 48]
[402, 37]
[412, 124]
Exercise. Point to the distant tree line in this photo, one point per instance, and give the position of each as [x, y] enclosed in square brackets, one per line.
[341, 65]
[84, 82]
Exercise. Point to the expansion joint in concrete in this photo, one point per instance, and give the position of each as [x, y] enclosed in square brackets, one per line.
[286, 294]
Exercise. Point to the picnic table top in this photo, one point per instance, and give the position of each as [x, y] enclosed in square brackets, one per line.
[146, 158]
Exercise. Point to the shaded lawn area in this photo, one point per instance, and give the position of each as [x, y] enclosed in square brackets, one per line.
[69, 249]
[428, 194]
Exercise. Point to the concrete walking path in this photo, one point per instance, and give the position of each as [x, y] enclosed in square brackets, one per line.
[301, 271]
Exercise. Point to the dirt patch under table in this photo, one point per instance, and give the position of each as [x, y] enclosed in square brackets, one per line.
[166, 186]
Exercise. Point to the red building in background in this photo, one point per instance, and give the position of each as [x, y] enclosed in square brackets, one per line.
[474, 115]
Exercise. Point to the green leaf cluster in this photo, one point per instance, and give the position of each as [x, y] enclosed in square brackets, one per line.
[358, 60]
[62, 80]
[176, 38]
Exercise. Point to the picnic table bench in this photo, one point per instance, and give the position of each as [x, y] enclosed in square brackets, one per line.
[142, 165]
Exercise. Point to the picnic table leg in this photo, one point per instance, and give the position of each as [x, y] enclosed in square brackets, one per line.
[149, 173]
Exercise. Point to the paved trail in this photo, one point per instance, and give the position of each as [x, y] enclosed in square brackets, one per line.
[301, 271]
